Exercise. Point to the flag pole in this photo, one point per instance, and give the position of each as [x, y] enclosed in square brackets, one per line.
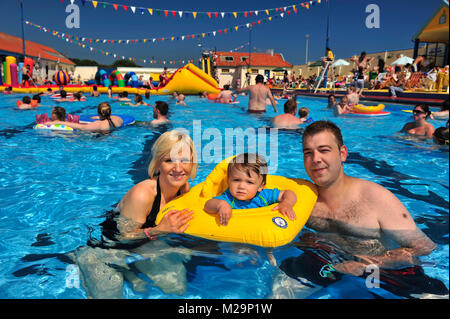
[23, 31]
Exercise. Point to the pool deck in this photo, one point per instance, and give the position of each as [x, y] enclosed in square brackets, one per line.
[407, 97]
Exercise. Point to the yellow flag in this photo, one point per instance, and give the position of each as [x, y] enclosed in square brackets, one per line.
[307, 6]
[94, 3]
[194, 14]
[84, 45]
[151, 11]
[235, 14]
[267, 11]
[145, 40]
[172, 38]
[293, 7]
[203, 35]
[270, 18]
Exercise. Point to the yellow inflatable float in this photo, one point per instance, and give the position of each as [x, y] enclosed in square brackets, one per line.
[368, 109]
[256, 226]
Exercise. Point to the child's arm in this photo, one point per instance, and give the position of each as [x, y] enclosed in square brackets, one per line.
[287, 200]
[221, 207]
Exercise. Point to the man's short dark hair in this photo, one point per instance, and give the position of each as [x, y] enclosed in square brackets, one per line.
[259, 78]
[162, 107]
[26, 100]
[320, 126]
[290, 106]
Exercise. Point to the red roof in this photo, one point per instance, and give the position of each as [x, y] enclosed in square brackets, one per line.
[257, 59]
[13, 44]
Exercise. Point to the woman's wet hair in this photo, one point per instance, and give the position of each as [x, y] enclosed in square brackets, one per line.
[37, 98]
[320, 126]
[440, 136]
[425, 108]
[104, 111]
[63, 94]
[59, 112]
[26, 100]
[77, 96]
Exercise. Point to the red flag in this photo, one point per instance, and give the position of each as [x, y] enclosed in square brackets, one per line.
[215, 13]
[209, 15]
[245, 14]
[115, 6]
[125, 8]
[166, 12]
[173, 13]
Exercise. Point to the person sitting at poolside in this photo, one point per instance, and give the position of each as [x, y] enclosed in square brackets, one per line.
[95, 92]
[288, 120]
[160, 110]
[331, 101]
[226, 95]
[163, 78]
[443, 113]
[246, 179]
[106, 120]
[137, 100]
[303, 113]
[420, 126]
[342, 107]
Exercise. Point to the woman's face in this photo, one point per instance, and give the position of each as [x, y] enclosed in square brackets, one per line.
[419, 114]
[176, 170]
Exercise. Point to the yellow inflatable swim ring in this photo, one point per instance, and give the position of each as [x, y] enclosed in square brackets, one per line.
[256, 226]
[368, 109]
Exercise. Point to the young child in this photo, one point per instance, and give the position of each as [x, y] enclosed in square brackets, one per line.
[246, 180]
[303, 113]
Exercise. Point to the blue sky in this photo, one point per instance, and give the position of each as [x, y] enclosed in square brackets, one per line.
[399, 20]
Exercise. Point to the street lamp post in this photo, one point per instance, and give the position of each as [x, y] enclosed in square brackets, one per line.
[306, 59]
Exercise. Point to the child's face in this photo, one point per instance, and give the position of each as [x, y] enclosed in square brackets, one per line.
[242, 186]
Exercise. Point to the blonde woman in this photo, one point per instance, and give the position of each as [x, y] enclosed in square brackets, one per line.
[174, 162]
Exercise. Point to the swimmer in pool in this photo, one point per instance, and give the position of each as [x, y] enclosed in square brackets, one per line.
[246, 180]
[288, 120]
[363, 218]
[258, 94]
[420, 126]
[160, 110]
[106, 120]
[226, 95]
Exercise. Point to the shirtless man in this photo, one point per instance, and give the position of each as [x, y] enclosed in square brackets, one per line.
[288, 120]
[357, 217]
[258, 94]
[226, 95]
[160, 111]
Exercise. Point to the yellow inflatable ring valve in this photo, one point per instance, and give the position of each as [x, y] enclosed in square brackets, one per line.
[257, 226]
[368, 109]
[212, 96]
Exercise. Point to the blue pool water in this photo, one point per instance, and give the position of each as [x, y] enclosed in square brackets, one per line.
[56, 188]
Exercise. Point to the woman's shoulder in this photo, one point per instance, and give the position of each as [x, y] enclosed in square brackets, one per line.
[142, 193]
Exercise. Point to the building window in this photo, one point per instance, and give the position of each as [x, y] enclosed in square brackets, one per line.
[443, 18]
[225, 70]
[244, 58]
[227, 58]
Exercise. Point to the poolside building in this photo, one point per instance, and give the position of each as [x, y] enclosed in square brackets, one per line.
[46, 59]
[232, 67]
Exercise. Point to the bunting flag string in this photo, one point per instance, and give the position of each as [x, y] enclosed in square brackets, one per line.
[239, 47]
[194, 14]
[75, 41]
[170, 38]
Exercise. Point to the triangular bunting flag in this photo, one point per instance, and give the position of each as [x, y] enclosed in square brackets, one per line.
[150, 11]
[133, 9]
[94, 3]
[194, 14]
[115, 6]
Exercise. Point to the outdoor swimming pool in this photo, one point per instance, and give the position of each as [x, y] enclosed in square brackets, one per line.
[56, 189]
